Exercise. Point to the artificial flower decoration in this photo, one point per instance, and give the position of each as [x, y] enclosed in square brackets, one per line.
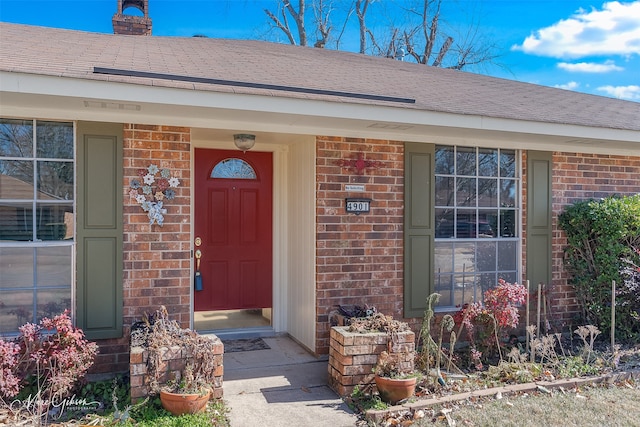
[151, 192]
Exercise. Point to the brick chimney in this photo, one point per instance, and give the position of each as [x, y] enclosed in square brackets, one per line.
[130, 24]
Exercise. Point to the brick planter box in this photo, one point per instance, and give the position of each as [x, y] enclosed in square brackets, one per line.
[353, 356]
[174, 359]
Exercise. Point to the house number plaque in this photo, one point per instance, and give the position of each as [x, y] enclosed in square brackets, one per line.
[357, 206]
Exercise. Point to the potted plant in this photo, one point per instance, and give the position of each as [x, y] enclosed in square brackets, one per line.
[187, 395]
[394, 375]
[185, 383]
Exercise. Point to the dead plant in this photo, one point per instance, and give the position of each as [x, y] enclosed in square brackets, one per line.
[160, 332]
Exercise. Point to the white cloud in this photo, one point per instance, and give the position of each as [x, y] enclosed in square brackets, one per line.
[589, 67]
[614, 30]
[631, 93]
[568, 86]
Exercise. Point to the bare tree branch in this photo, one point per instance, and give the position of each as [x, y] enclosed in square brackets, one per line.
[361, 11]
[298, 17]
[443, 51]
[322, 13]
[345, 22]
[423, 35]
[282, 26]
[284, 7]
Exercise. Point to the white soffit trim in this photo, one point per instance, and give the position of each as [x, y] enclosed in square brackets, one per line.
[125, 102]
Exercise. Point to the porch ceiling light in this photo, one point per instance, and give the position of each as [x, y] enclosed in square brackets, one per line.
[244, 141]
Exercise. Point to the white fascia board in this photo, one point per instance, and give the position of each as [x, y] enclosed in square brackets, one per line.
[189, 107]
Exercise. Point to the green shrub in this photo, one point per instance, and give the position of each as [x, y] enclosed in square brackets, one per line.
[601, 236]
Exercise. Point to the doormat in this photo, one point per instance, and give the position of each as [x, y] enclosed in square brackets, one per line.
[244, 344]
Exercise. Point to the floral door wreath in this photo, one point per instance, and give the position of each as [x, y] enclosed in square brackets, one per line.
[151, 191]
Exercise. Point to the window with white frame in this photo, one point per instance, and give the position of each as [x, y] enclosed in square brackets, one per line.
[37, 187]
[476, 221]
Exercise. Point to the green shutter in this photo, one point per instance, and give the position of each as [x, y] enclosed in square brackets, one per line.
[419, 223]
[539, 232]
[99, 230]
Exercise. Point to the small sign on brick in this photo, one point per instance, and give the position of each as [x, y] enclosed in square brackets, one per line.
[357, 206]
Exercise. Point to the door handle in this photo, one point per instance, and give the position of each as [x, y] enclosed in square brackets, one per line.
[197, 281]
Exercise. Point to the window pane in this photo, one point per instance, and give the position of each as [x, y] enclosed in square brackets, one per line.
[445, 191]
[487, 192]
[53, 266]
[16, 179]
[507, 193]
[53, 222]
[55, 180]
[54, 140]
[16, 310]
[466, 192]
[16, 138]
[445, 164]
[443, 257]
[52, 302]
[464, 257]
[487, 162]
[464, 286]
[486, 256]
[16, 268]
[487, 281]
[508, 163]
[466, 224]
[444, 223]
[487, 223]
[233, 169]
[506, 256]
[508, 223]
[16, 221]
[509, 277]
[444, 286]
[466, 161]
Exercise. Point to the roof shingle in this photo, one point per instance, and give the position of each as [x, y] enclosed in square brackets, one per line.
[67, 53]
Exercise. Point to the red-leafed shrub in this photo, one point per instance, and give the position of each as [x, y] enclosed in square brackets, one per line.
[47, 358]
[485, 322]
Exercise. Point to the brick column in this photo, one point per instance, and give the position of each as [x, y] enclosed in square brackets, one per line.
[359, 258]
[157, 259]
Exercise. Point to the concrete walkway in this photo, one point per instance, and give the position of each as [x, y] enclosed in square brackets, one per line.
[282, 386]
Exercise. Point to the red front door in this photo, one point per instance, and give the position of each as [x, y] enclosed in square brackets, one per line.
[233, 221]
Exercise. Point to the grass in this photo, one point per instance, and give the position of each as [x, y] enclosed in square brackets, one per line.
[588, 406]
[151, 414]
[119, 412]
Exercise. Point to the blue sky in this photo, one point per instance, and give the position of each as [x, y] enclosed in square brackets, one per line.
[588, 46]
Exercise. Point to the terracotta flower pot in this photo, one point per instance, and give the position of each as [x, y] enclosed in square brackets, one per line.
[394, 390]
[180, 403]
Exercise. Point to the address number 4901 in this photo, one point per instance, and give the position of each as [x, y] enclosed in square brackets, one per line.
[358, 205]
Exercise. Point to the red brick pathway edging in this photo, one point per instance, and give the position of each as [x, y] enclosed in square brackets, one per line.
[380, 415]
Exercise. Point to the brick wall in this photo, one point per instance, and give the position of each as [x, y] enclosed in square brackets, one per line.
[131, 25]
[580, 177]
[353, 356]
[359, 257]
[156, 258]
